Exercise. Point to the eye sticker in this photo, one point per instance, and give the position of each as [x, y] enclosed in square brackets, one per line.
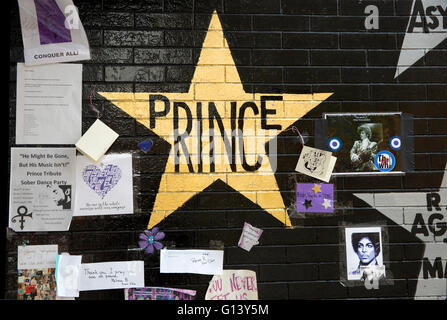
[334, 144]
[395, 143]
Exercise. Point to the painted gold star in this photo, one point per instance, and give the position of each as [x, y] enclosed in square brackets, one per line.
[216, 91]
[316, 188]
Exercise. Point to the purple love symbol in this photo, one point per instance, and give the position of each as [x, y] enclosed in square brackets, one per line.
[101, 181]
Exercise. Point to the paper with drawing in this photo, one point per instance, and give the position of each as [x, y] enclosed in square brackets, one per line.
[105, 187]
[316, 163]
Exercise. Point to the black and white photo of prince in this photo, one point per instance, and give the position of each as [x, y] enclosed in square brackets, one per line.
[363, 248]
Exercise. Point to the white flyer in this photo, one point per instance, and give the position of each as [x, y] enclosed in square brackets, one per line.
[52, 32]
[49, 109]
[41, 188]
[111, 275]
[191, 261]
[36, 257]
[105, 187]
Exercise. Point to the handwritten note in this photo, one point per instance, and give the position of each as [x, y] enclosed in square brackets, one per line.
[233, 285]
[191, 261]
[111, 275]
[36, 257]
[249, 237]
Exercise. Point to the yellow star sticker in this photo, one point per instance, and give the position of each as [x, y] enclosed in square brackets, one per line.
[317, 188]
[210, 106]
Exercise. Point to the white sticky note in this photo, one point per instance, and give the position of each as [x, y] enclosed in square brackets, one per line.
[111, 275]
[49, 104]
[191, 261]
[36, 257]
[96, 140]
[67, 275]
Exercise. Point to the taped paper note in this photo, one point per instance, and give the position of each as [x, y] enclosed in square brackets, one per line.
[233, 285]
[316, 163]
[249, 237]
[111, 275]
[41, 183]
[36, 257]
[191, 261]
[67, 275]
[104, 188]
[49, 104]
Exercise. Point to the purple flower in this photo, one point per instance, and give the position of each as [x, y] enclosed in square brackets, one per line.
[147, 240]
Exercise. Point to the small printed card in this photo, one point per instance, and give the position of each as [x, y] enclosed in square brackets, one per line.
[314, 197]
[249, 237]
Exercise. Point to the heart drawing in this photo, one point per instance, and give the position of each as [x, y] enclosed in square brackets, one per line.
[101, 181]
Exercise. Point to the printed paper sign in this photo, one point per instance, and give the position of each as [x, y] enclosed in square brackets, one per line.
[36, 257]
[111, 275]
[316, 163]
[105, 187]
[49, 104]
[52, 32]
[314, 197]
[233, 285]
[158, 293]
[67, 275]
[41, 184]
[191, 261]
[249, 237]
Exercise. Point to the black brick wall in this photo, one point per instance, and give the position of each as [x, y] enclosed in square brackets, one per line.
[285, 46]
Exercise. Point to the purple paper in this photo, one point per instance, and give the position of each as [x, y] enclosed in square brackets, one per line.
[51, 22]
[314, 197]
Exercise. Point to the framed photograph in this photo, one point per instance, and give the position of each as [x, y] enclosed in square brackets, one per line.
[365, 143]
[363, 249]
